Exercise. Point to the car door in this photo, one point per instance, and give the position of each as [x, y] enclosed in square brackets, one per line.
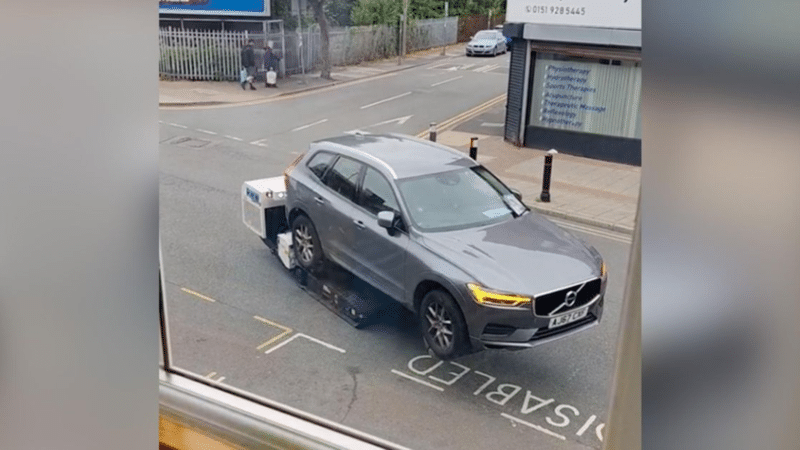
[335, 204]
[380, 253]
[501, 43]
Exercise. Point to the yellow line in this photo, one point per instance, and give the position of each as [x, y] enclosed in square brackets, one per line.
[466, 115]
[276, 338]
[210, 375]
[198, 295]
[272, 323]
[286, 330]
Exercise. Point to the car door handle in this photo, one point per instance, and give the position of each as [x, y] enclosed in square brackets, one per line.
[359, 224]
[319, 200]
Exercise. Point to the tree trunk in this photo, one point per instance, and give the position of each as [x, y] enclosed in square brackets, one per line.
[325, 51]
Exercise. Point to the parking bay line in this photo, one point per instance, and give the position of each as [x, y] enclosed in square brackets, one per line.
[286, 330]
[424, 383]
[386, 100]
[535, 427]
[325, 344]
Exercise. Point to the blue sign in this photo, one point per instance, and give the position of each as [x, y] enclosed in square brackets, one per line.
[252, 195]
[215, 7]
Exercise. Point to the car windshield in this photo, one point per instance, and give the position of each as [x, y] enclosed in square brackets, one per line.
[486, 35]
[455, 200]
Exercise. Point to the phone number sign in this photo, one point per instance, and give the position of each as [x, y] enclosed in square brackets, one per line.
[618, 14]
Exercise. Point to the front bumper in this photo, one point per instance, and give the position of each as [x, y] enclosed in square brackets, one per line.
[480, 50]
[517, 329]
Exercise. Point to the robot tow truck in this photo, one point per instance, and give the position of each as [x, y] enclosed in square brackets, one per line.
[264, 213]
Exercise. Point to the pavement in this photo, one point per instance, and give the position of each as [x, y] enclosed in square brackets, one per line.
[583, 190]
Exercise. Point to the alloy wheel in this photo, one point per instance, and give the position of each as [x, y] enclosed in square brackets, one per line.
[440, 325]
[305, 243]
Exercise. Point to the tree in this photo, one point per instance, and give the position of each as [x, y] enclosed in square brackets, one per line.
[318, 6]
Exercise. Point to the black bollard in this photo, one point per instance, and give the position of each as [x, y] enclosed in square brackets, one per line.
[548, 168]
[473, 149]
[432, 132]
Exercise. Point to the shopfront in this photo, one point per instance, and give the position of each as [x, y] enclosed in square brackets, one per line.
[574, 84]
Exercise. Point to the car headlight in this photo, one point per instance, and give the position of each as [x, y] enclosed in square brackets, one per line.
[484, 296]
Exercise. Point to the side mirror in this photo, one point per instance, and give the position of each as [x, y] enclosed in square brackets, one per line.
[386, 219]
[516, 193]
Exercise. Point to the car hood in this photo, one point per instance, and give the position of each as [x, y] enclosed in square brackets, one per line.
[527, 255]
[489, 42]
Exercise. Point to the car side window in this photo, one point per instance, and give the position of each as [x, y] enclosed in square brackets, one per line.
[320, 162]
[376, 193]
[343, 177]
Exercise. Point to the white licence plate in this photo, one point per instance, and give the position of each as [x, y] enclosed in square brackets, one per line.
[569, 317]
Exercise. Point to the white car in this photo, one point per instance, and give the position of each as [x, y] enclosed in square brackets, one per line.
[487, 42]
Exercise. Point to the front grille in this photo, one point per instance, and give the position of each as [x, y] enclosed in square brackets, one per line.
[547, 332]
[544, 305]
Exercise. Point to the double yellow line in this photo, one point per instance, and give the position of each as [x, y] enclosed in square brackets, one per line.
[465, 116]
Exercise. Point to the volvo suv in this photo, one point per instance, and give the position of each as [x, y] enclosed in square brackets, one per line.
[438, 232]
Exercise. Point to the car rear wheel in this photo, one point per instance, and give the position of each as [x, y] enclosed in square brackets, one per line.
[443, 325]
[305, 240]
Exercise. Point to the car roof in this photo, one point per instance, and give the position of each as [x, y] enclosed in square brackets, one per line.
[398, 156]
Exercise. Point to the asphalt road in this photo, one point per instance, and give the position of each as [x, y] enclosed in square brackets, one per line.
[237, 317]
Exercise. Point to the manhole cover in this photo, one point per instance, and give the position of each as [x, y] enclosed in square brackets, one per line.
[186, 141]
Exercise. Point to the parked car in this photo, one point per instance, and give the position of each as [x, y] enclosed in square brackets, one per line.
[508, 39]
[487, 42]
[438, 232]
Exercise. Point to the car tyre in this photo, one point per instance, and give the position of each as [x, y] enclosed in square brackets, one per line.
[443, 326]
[306, 244]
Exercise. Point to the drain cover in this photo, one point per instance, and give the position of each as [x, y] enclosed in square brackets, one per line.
[186, 141]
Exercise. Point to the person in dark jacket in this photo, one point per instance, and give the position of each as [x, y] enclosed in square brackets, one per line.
[249, 63]
[271, 60]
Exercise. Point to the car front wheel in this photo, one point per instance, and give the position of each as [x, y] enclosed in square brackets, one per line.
[305, 240]
[443, 325]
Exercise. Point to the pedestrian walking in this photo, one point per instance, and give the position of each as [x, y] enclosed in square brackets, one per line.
[249, 63]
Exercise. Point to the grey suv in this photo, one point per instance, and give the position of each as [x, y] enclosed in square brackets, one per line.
[438, 232]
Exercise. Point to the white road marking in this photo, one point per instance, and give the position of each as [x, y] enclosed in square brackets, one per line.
[424, 383]
[604, 234]
[446, 81]
[399, 120]
[210, 375]
[310, 125]
[586, 425]
[535, 427]
[465, 67]
[219, 380]
[488, 68]
[492, 124]
[385, 100]
[234, 138]
[332, 347]
[177, 125]
[599, 429]
[437, 65]
[260, 143]
[205, 131]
